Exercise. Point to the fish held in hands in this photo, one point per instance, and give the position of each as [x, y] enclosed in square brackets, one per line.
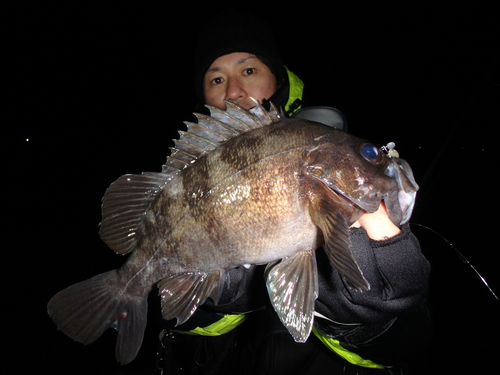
[240, 187]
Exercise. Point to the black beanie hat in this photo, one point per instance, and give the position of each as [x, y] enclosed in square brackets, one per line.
[232, 31]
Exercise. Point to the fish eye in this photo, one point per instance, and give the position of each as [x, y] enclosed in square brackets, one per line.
[371, 152]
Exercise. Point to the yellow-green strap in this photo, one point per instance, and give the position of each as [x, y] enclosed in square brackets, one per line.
[351, 357]
[296, 91]
[220, 327]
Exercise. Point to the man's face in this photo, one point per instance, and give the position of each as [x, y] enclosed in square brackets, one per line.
[236, 77]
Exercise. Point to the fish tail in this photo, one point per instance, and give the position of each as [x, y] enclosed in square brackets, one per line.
[85, 310]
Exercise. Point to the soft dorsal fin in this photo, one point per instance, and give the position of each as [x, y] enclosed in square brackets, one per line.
[212, 131]
[124, 206]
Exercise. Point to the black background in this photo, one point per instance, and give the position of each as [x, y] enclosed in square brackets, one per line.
[94, 90]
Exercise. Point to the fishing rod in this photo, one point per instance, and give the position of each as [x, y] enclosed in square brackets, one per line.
[461, 257]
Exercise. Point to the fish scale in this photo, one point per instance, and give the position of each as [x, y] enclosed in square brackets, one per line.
[240, 187]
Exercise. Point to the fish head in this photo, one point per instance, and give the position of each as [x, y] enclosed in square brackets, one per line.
[357, 171]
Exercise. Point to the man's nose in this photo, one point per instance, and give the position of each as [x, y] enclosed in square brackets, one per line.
[235, 91]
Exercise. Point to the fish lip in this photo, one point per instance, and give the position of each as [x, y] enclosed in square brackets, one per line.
[399, 170]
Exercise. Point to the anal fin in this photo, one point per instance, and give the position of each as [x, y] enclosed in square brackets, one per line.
[181, 294]
[292, 285]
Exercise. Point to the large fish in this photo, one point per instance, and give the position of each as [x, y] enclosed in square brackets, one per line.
[240, 187]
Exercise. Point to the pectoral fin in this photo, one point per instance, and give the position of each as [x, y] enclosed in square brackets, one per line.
[292, 285]
[335, 230]
[181, 294]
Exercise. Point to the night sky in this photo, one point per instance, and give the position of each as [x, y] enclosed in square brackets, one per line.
[96, 91]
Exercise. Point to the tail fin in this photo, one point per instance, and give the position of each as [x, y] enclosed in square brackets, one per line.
[85, 310]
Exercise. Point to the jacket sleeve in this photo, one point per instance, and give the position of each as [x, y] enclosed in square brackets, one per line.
[396, 269]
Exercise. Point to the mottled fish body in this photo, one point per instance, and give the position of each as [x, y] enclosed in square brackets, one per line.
[239, 188]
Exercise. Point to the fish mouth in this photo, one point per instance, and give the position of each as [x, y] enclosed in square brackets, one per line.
[399, 202]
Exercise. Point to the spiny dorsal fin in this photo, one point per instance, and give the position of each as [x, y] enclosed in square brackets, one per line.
[127, 200]
[212, 131]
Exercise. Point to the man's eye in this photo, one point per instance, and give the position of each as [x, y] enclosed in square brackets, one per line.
[217, 81]
[248, 71]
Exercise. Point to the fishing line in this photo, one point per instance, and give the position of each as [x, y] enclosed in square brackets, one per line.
[462, 258]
